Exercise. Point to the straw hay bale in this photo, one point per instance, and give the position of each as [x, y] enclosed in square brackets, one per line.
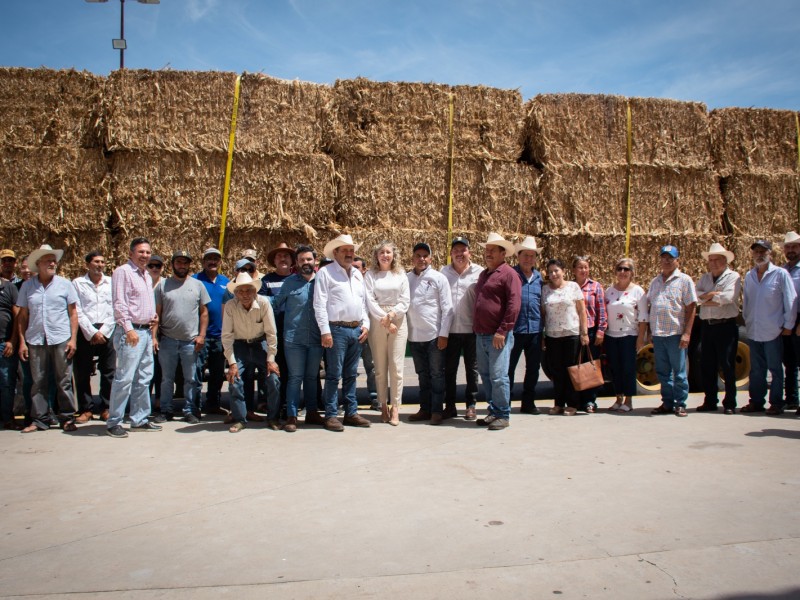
[579, 129]
[757, 140]
[412, 119]
[761, 204]
[183, 191]
[413, 193]
[280, 117]
[75, 243]
[43, 107]
[58, 187]
[670, 133]
[593, 200]
[169, 110]
[605, 250]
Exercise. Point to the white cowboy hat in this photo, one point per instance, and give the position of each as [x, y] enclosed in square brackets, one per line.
[720, 250]
[43, 250]
[244, 279]
[790, 238]
[529, 243]
[497, 240]
[342, 240]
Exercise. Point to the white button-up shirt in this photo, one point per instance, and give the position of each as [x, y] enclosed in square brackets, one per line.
[339, 297]
[430, 313]
[462, 293]
[729, 286]
[94, 306]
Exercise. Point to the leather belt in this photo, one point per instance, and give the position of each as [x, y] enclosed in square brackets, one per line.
[255, 340]
[140, 325]
[719, 321]
[349, 324]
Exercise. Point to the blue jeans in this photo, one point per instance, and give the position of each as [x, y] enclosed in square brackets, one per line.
[303, 364]
[250, 357]
[213, 357]
[131, 379]
[429, 363]
[531, 345]
[170, 353]
[8, 385]
[342, 365]
[671, 370]
[493, 367]
[766, 356]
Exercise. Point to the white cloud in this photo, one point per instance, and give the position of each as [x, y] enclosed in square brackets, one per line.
[198, 9]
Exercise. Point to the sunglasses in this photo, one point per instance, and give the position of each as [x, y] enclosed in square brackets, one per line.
[155, 266]
[623, 269]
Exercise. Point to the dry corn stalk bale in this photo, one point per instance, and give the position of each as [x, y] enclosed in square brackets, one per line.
[371, 118]
[605, 250]
[168, 110]
[59, 188]
[184, 190]
[43, 107]
[761, 204]
[757, 140]
[670, 133]
[280, 117]
[578, 129]
[75, 243]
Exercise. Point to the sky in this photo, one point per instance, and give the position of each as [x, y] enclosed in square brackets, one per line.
[719, 52]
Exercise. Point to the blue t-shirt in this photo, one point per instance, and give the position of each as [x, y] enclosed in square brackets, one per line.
[216, 290]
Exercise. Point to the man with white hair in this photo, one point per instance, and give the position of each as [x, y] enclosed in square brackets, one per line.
[47, 325]
[718, 294]
[340, 308]
[497, 303]
[769, 311]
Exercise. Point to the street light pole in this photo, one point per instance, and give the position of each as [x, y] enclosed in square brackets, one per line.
[120, 43]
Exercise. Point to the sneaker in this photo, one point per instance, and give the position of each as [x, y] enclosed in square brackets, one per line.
[117, 432]
[191, 419]
[498, 424]
[146, 427]
[486, 421]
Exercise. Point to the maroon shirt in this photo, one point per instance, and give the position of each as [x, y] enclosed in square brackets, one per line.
[498, 296]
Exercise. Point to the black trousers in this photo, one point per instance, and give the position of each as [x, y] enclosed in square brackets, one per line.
[562, 353]
[82, 369]
[718, 353]
[457, 344]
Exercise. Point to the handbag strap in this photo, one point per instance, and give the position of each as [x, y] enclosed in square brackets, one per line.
[580, 355]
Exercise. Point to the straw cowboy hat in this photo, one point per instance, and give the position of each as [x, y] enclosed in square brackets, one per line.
[244, 279]
[497, 240]
[342, 240]
[529, 243]
[791, 238]
[43, 250]
[719, 250]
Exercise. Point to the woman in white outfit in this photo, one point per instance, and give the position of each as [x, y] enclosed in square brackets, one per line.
[387, 302]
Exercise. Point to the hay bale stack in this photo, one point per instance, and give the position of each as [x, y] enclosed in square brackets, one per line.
[60, 189]
[281, 117]
[754, 140]
[168, 110]
[670, 133]
[412, 120]
[43, 107]
[760, 204]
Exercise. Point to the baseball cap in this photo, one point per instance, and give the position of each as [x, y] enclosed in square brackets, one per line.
[671, 250]
[179, 254]
[7, 253]
[763, 243]
[243, 262]
[211, 251]
[421, 245]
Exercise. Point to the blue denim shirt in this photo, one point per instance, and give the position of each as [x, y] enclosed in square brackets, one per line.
[295, 302]
[530, 313]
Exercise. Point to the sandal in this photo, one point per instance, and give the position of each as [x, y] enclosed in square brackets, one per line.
[69, 425]
[660, 411]
[614, 407]
[236, 427]
[625, 408]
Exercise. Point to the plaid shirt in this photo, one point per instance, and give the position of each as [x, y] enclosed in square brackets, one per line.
[668, 301]
[595, 301]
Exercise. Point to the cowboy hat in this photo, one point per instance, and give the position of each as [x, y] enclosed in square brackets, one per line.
[43, 250]
[529, 243]
[497, 240]
[342, 240]
[282, 247]
[719, 250]
[244, 279]
[790, 238]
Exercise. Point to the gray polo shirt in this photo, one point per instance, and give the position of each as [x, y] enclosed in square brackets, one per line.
[180, 303]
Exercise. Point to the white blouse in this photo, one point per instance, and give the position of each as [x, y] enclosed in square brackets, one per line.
[560, 312]
[387, 291]
[625, 310]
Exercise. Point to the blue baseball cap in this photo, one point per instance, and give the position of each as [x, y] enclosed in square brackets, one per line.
[671, 250]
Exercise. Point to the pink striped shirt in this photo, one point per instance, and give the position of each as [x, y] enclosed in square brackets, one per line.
[133, 298]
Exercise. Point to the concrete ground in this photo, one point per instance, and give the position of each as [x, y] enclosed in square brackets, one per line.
[592, 506]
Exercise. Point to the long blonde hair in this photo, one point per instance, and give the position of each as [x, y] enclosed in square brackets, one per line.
[397, 263]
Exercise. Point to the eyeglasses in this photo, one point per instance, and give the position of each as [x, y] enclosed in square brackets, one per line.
[623, 269]
[247, 270]
[155, 266]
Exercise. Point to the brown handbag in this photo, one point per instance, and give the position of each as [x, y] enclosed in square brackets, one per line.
[586, 375]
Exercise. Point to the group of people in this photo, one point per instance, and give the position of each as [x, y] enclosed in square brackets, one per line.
[276, 330]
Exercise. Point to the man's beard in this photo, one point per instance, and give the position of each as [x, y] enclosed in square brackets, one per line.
[307, 269]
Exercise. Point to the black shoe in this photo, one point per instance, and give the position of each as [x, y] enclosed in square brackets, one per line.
[117, 432]
[146, 427]
[730, 411]
[529, 409]
[791, 405]
[191, 419]
[707, 408]
[159, 418]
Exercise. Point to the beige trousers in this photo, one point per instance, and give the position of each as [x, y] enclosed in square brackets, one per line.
[388, 353]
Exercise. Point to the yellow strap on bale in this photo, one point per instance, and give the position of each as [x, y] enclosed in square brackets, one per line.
[450, 192]
[628, 200]
[231, 140]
